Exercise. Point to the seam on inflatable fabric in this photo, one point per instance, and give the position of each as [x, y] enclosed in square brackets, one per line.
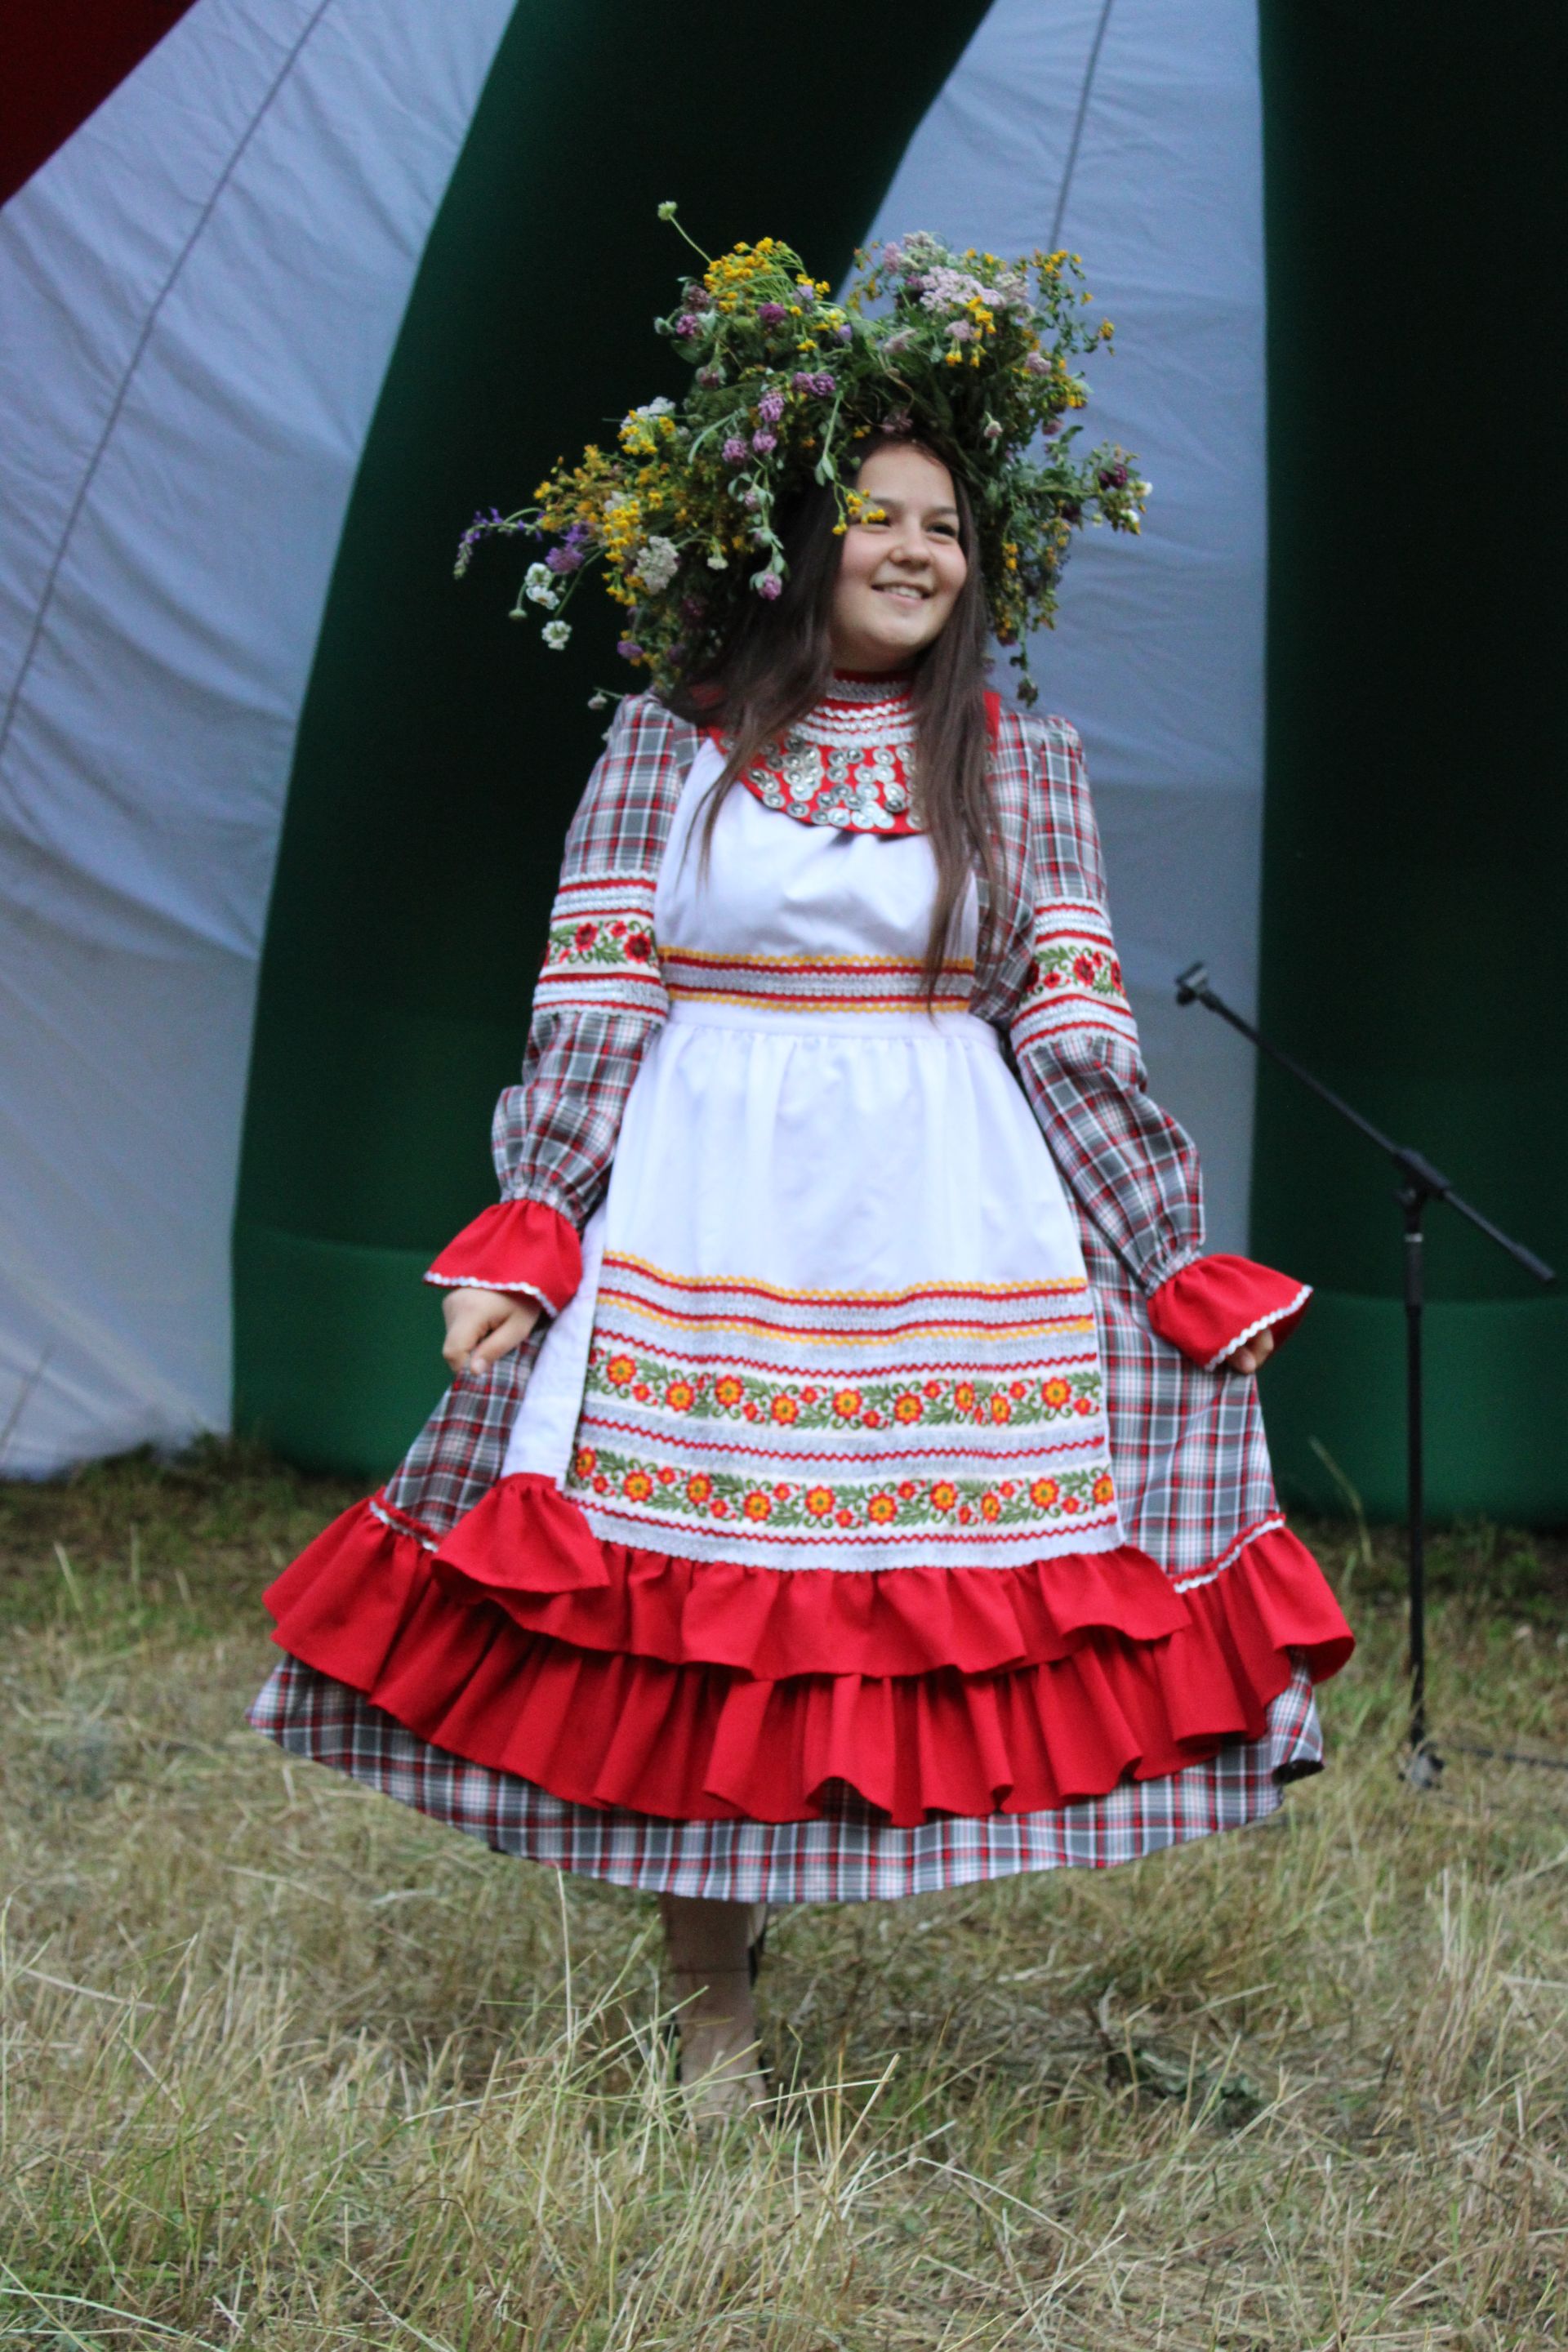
[123, 390]
[1085, 94]
[1252, 1330]
[1229, 1560]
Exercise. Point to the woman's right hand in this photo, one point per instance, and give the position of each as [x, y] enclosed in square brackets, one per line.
[483, 1326]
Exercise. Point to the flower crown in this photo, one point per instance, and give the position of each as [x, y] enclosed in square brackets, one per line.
[790, 386]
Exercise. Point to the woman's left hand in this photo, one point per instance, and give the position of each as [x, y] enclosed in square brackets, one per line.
[1251, 1353]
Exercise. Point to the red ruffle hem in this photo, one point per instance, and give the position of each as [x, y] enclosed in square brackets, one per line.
[698, 1691]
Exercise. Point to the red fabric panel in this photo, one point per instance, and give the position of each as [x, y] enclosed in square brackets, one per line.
[1212, 1305]
[62, 61]
[515, 1246]
[697, 1741]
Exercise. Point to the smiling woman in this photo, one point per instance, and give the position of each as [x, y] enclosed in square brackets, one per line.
[886, 1504]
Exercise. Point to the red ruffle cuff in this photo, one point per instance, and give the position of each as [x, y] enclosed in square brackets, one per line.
[1213, 1307]
[697, 1692]
[515, 1246]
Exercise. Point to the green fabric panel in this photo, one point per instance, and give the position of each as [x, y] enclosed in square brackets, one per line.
[1416, 828]
[1494, 1409]
[440, 752]
[350, 1380]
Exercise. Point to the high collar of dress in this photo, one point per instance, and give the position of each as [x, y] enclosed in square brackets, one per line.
[857, 699]
[850, 762]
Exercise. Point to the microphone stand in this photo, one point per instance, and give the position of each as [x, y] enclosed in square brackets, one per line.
[1420, 1182]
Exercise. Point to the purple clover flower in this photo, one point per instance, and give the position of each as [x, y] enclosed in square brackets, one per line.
[1037, 364]
[628, 649]
[771, 408]
[709, 377]
[573, 547]
[688, 325]
[734, 452]
[773, 314]
[1113, 478]
[769, 587]
[819, 386]
[845, 334]
[764, 443]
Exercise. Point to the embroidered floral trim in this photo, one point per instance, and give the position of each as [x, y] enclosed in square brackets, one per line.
[1075, 980]
[584, 941]
[940, 1400]
[882, 1503]
[600, 946]
[1062, 965]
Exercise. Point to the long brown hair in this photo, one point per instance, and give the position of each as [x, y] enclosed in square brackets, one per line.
[777, 664]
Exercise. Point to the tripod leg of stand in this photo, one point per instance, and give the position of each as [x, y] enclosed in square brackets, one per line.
[1423, 1764]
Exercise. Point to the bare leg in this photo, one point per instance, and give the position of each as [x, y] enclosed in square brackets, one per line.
[708, 1945]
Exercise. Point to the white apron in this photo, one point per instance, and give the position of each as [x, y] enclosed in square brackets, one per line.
[833, 1311]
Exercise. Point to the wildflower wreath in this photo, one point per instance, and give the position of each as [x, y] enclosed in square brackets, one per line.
[682, 515]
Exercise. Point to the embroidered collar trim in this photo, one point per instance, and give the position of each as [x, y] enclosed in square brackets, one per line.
[850, 762]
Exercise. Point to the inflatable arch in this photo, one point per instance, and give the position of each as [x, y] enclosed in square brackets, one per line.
[302, 285]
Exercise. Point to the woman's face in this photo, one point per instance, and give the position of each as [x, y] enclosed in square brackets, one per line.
[898, 577]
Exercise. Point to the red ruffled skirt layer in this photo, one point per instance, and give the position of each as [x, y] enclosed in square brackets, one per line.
[700, 1692]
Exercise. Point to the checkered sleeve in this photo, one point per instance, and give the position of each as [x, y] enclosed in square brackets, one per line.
[599, 1000]
[1132, 1168]
[600, 995]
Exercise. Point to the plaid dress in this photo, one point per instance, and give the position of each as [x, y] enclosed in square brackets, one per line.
[1191, 1470]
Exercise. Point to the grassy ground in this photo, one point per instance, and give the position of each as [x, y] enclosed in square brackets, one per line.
[284, 2066]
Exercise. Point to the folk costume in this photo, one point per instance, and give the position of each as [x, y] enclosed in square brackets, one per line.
[871, 1514]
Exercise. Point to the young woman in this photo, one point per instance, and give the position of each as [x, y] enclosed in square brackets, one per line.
[852, 1482]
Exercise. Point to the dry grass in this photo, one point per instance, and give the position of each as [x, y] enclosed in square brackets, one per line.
[285, 2067]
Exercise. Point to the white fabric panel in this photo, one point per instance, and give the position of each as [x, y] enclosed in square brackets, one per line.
[1131, 132]
[199, 298]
